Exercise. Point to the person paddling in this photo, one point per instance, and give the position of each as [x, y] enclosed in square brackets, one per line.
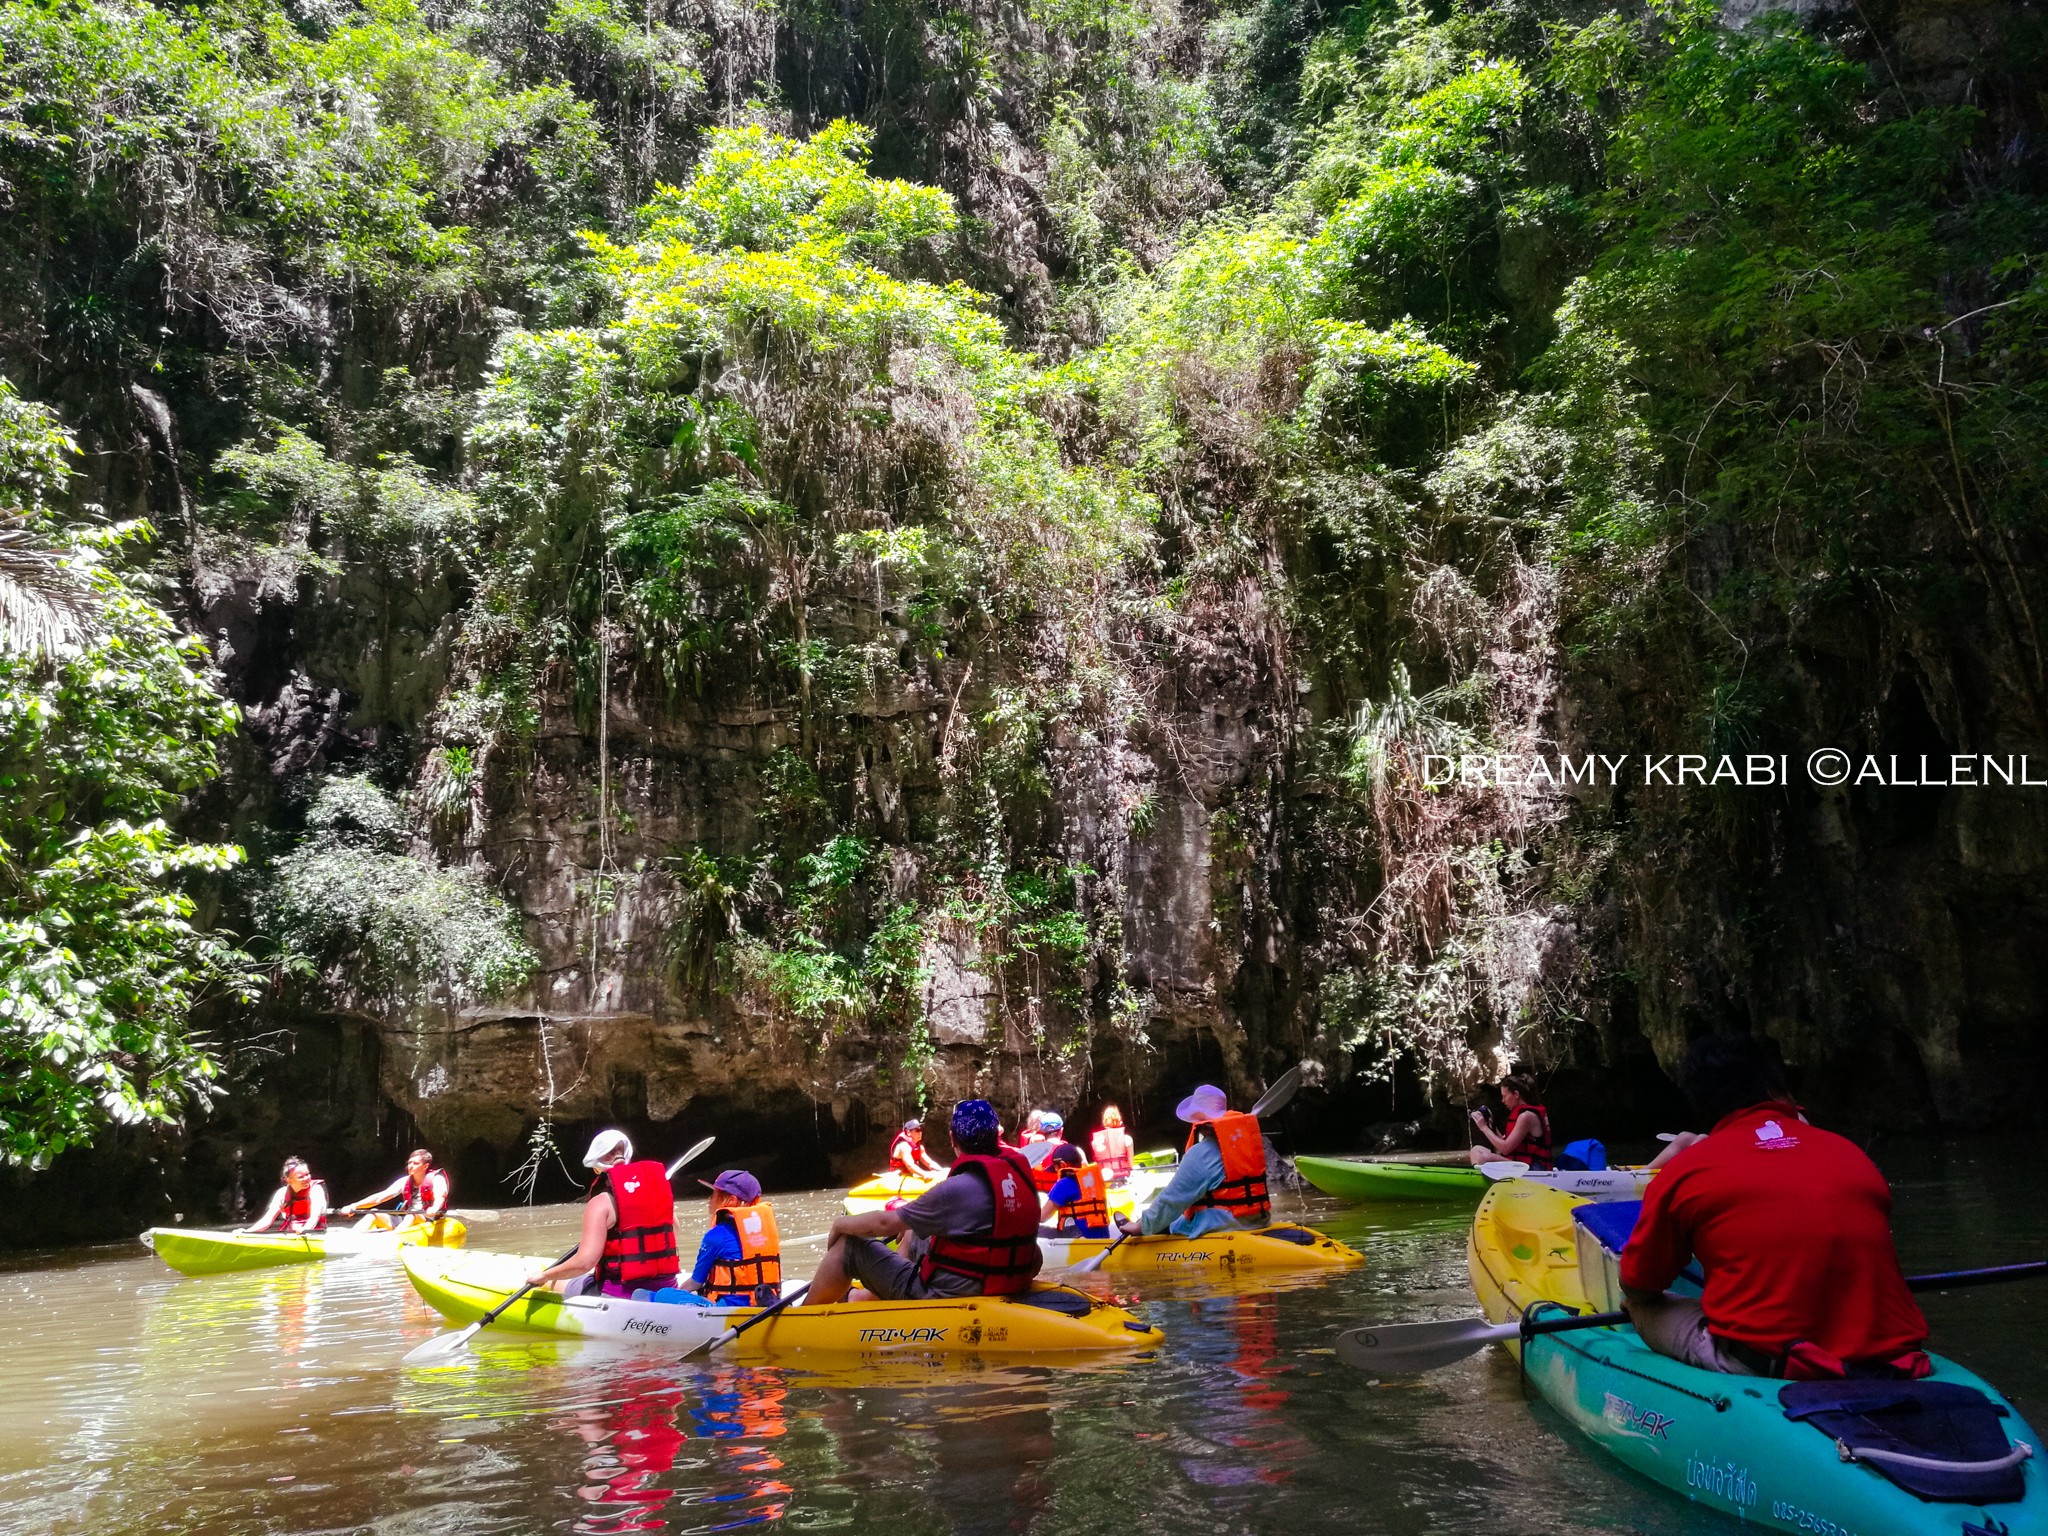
[1526, 1134]
[1792, 1226]
[1112, 1146]
[1221, 1181]
[629, 1225]
[973, 1233]
[908, 1157]
[739, 1261]
[421, 1194]
[300, 1204]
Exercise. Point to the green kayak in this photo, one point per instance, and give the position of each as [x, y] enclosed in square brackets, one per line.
[1358, 1178]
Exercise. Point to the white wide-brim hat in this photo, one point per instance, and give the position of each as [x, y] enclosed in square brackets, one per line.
[604, 1145]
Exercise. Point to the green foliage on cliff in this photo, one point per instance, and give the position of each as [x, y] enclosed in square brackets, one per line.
[101, 962]
[1387, 374]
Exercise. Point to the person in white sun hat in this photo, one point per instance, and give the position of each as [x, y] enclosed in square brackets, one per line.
[629, 1224]
[1221, 1180]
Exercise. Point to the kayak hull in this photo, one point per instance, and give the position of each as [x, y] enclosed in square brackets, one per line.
[1367, 1181]
[888, 1191]
[199, 1253]
[1721, 1441]
[1219, 1256]
[463, 1287]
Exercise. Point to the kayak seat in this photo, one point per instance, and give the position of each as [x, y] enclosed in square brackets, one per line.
[1301, 1235]
[1057, 1298]
[1939, 1440]
[1610, 1222]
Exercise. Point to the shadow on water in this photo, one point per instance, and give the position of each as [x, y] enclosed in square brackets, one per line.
[273, 1402]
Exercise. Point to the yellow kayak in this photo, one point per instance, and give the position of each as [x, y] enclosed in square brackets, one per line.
[1267, 1251]
[218, 1253]
[1051, 1320]
[885, 1188]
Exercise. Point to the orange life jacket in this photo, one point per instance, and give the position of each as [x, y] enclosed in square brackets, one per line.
[1045, 1173]
[640, 1249]
[1088, 1215]
[295, 1215]
[1243, 1190]
[1113, 1149]
[760, 1260]
[1005, 1257]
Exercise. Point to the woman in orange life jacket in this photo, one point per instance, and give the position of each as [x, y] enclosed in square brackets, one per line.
[1221, 1181]
[974, 1233]
[422, 1194]
[629, 1225]
[299, 1206]
[739, 1261]
[1112, 1145]
[1077, 1203]
[1527, 1137]
[908, 1157]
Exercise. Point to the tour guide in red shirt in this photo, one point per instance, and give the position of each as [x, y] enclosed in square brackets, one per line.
[1792, 1226]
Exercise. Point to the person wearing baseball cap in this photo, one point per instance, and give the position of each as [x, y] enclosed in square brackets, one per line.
[739, 1262]
[908, 1158]
[1221, 1181]
[629, 1224]
[974, 1233]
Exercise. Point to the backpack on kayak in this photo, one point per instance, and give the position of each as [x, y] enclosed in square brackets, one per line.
[1583, 1156]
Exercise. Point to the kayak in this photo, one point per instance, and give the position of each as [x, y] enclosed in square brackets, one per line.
[1367, 1179]
[1051, 1320]
[1269, 1250]
[885, 1189]
[1856, 1458]
[889, 1190]
[192, 1252]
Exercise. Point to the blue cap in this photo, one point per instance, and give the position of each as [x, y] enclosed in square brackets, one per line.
[974, 1119]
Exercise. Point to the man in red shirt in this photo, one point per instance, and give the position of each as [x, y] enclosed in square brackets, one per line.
[1792, 1226]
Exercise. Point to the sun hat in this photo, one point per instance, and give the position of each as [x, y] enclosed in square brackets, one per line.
[606, 1143]
[1205, 1103]
[738, 1183]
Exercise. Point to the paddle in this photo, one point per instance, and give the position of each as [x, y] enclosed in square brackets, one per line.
[1272, 1101]
[759, 1317]
[691, 1156]
[443, 1345]
[1404, 1348]
[1507, 1168]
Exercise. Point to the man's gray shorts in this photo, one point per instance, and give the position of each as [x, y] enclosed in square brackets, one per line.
[894, 1278]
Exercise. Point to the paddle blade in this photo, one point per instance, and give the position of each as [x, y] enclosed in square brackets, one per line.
[1089, 1265]
[1505, 1169]
[1400, 1349]
[1276, 1098]
[690, 1156]
[442, 1346]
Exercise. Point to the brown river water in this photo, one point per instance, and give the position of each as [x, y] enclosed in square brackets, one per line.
[134, 1400]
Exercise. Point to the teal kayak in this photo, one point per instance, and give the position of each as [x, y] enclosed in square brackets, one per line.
[1754, 1448]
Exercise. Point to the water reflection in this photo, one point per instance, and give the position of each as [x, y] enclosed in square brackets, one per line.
[273, 1402]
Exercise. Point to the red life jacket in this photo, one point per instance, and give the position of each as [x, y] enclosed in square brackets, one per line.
[420, 1195]
[1090, 1213]
[1113, 1150]
[297, 1209]
[1536, 1151]
[1243, 1190]
[903, 1157]
[1005, 1257]
[760, 1260]
[641, 1246]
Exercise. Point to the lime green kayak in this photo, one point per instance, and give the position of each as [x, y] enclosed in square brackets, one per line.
[219, 1253]
[1358, 1178]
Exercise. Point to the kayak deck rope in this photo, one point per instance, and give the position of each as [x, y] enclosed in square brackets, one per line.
[2020, 1452]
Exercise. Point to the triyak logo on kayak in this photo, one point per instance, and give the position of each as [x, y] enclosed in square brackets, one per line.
[1772, 1137]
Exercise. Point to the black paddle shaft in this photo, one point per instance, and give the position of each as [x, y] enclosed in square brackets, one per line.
[1997, 1274]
